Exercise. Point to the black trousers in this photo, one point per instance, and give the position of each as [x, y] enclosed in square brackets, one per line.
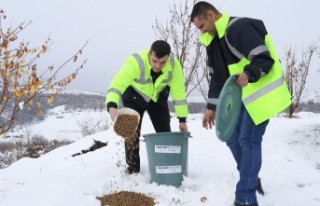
[159, 115]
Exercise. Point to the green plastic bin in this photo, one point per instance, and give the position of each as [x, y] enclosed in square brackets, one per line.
[228, 109]
[167, 154]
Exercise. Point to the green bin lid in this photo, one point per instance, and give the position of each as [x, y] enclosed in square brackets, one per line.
[228, 109]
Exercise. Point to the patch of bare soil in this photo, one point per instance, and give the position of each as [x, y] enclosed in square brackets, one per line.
[96, 145]
[125, 198]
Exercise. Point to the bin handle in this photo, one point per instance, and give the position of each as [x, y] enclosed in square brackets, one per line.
[144, 139]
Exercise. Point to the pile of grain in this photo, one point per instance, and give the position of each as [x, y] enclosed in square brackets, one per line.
[126, 125]
[125, 198]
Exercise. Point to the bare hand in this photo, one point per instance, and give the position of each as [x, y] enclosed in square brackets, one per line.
[113, 112]
[208, 119]
[183, 127]
[242, 79]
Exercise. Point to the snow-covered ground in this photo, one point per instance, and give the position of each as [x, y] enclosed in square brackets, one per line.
[290, 172]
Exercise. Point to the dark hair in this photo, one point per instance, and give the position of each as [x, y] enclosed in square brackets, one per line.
[160, 48]
[200, 10]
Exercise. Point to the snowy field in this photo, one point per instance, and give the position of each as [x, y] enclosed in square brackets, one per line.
[290, 172]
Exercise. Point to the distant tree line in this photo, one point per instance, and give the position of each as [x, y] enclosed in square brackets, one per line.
[74, 102]
[26, 115]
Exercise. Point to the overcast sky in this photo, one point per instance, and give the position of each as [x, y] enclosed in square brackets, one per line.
[116, 29]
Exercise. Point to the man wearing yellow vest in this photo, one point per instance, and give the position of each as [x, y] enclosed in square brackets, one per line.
[242, 47]
[144, 83]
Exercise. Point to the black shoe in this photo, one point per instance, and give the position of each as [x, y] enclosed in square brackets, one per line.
[238, 204]
[259, 187]
[130, 171]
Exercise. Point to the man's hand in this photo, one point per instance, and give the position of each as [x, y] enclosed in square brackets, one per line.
[183, 127]
[208, 119]
[242, 79]
[113, 112]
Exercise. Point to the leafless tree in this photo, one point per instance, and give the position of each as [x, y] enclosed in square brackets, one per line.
[297, 71]
[184, 40]
[22, 83]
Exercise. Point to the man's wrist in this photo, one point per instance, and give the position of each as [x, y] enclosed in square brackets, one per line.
[182, 119]
[111, 105]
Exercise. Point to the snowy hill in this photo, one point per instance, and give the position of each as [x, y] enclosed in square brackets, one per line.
[290, 171]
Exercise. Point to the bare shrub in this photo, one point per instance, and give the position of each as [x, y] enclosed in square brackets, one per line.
[297, 71]
[91, 126]
[34, 147]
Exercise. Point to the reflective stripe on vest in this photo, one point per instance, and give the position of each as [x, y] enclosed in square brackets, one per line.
[145, 97]
[252, 53]
[244, 61]
[115, 91]
[271, 87]
[142, 79]
[179, 102]
[254, 96]
[258, 50]
[212, 101]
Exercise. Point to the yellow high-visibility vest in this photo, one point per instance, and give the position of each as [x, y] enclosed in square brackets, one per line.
[136, 73]
[269, 95]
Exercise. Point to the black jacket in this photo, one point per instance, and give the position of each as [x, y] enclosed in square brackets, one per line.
[244, 35]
